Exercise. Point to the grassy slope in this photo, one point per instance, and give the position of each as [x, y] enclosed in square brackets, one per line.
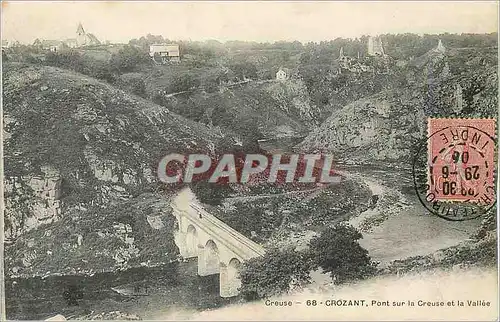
[54, 110]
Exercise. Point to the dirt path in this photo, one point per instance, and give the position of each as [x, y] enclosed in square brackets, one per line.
[272, 195]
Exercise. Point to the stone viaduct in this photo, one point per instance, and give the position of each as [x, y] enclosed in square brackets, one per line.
[219, 248]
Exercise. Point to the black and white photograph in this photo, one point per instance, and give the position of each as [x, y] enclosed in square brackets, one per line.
[249, 160]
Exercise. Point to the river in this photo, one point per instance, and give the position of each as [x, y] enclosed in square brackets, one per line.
[406, 228]
[167, 289]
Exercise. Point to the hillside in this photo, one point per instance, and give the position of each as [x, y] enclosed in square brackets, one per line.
[386, 126]
[75, 149]
[250, 111]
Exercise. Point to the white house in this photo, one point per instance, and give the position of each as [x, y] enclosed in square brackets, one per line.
[165, 52]
[282, 74]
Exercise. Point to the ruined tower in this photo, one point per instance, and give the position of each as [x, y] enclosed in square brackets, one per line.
[440, 47]
[375, 47]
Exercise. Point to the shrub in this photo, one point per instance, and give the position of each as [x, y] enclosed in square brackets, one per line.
[337, 251]
[244, 70]
[211, 193]
[133, 84]
[183, 83]
[127, 59]
[70, 59]
[274, 273]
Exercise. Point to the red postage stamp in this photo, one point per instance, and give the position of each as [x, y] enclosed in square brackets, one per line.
[461, 159]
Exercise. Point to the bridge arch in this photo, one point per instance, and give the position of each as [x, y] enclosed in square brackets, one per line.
[233, 268]
[191, 241]
[209, 262]
[230, 281]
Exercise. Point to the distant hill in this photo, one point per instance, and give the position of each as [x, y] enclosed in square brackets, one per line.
[386, 126]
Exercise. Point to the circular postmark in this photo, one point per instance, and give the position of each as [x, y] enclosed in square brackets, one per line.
[454, 168]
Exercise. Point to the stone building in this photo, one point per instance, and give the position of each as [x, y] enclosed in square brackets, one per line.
[83, 38]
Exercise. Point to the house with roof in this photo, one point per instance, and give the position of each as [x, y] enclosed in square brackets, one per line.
[82, 39]
[71, 43]
[164, 53]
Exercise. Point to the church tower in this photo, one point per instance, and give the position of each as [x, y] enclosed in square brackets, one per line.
[81, 38]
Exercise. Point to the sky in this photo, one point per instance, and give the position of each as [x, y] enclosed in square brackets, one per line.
[267, 21]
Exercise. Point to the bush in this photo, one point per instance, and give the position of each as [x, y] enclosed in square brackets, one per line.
[70, 59]
[127, 59]
[274, 273]
[244, 70]
[337, 251]
[211, 193]
[133, 84]
[183, 83]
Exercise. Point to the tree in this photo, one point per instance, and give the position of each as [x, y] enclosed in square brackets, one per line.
[274, 273]
[337, 251]
[244, 70]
